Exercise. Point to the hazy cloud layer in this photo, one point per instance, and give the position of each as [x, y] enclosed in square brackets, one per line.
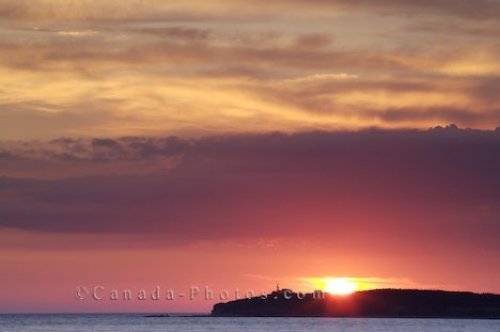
[155, 9]
[107, 68]
[440, 186]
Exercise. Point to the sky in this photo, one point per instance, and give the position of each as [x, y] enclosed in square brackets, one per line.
[239, 144]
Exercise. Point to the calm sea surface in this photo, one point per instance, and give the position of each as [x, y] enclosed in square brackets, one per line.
[133, 323]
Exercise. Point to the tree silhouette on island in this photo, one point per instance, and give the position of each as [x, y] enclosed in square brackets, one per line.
[393, 303]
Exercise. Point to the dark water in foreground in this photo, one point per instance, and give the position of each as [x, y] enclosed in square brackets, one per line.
[136, 323]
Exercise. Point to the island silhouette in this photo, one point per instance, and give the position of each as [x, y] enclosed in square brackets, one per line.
[383, 303]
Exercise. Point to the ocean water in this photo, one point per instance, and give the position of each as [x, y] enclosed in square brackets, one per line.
[139, 323]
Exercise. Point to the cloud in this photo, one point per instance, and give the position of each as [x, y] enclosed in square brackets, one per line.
[141, 87]
[151, 10]
[476, 29]
[46, 10]
[40, 119]
[98, 68]
[438, 114]
[437, 186]
[144, 53]
[97, 149]
[176, 32]
[313, 41]
[77, 34]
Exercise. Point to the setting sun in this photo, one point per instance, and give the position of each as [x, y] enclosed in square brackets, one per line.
[340, 286]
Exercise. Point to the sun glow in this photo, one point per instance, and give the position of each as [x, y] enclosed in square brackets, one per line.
[340, 286]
